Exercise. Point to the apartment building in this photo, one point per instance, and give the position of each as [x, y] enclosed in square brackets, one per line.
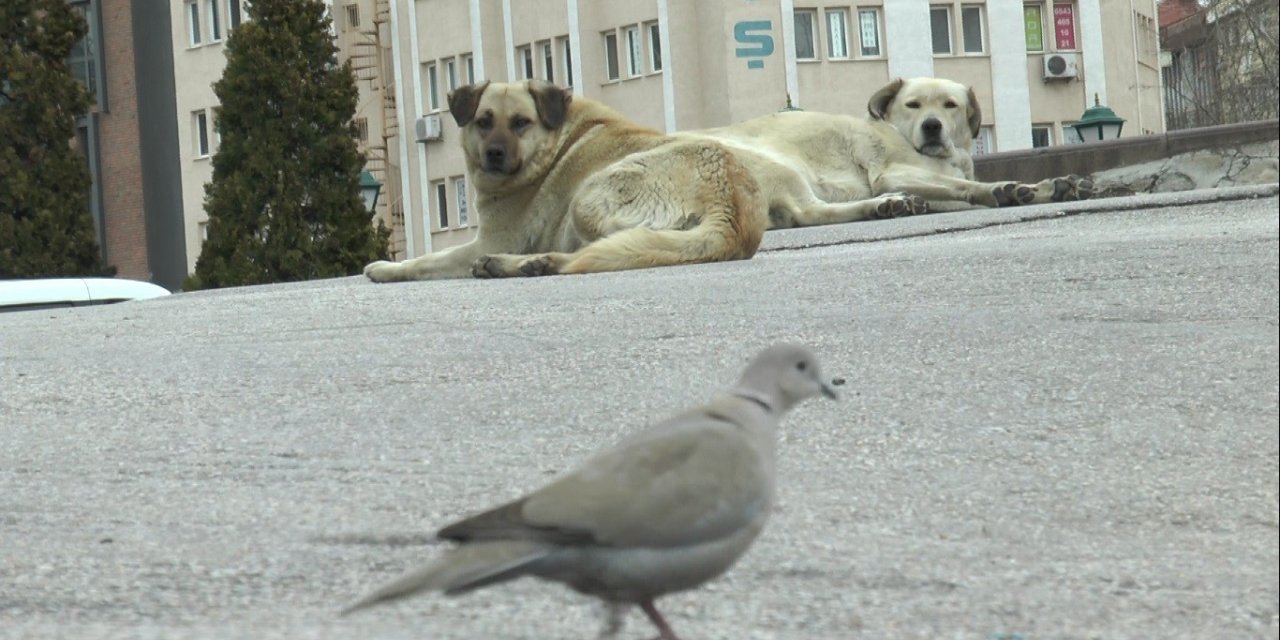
[1034, 65]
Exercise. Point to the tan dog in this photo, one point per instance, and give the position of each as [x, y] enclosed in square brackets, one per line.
[570, 186]
[821, 168]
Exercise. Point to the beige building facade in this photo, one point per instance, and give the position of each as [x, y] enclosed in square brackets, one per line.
[1034, 65]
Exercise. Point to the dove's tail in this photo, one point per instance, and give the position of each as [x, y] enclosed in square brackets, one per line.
[467, 567]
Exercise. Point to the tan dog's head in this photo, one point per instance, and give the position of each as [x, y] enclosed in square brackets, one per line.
[936, 116]
[506, 126]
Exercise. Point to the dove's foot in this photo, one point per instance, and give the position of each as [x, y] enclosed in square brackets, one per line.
[664, 629]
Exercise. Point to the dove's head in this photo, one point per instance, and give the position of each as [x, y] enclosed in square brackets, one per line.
[785, 375]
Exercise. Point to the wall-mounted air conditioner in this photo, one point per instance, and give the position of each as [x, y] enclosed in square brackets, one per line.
[1059, 66]
[428, 128]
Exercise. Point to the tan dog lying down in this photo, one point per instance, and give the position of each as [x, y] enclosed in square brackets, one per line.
[569, 185]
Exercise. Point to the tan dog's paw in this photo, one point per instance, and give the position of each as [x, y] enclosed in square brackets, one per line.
[382, 271]
[508, 266]
[1072, 187]
[897, 205]
[1012, 194]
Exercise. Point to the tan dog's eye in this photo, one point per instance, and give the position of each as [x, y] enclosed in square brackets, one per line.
[913, 105]
[520, 123]
[485, 122]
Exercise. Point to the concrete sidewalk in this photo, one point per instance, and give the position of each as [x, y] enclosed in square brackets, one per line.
[1057, 422]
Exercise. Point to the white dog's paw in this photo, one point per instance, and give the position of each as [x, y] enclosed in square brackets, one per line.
[897, 205]
[382, 271]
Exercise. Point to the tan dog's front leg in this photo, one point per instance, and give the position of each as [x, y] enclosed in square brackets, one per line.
[450, 263]
[507, 265]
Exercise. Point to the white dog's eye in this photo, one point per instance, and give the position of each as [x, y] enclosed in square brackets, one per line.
[950, 104]
[913, 105]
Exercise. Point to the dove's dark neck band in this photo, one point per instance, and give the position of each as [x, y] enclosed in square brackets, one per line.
[755, 399]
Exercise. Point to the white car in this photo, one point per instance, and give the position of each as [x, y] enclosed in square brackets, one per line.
[51, 293]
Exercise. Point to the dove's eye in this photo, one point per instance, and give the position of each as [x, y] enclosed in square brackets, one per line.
[802, 365]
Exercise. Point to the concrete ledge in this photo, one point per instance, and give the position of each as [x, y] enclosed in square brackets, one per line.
[1033, 165]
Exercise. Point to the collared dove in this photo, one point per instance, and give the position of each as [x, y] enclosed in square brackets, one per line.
[665, 510]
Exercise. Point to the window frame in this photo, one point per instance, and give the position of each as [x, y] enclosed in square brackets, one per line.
[982, 30]
[933, 33]
[815, 44]
[653, 37]
[442, 204]
[547, 49]
[195, 34]
[451, 73]
[985, 141]
[879, 44]
[234, 15]
[1039, 8]
[203, 141]
[635, 51]
[460, 198]
[827, 15]
[612, 66]
[431, 79]
[469, 64]
[215, 21]
[566, 60]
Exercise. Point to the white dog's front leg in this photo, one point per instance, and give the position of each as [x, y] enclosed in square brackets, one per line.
[454, 262]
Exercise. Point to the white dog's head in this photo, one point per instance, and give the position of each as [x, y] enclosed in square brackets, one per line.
[936, 116]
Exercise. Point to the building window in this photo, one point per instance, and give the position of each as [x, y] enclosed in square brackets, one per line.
[1033, 24]
[611, 56]
[983, 143]
[1069, 134]
[193, 23]
[837, 34]
[1041, 135]
[655, 47]
[634, 53]
[433, 93]
[215, 23]
[201, 120]
[442, 205]
[353, 17]
[526, 62]
[451, 74]
[84, 54]
[470, 64]
[1064, 26]
[233, 14]
[971, 25]
[362, 129]
[805, 34]
[548, 69]
[567, 50]
[869, 31]
[940, 23]
[204, 231]
[460, 195]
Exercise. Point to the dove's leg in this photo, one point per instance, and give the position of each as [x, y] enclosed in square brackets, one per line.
[664, 629]
[616, 613]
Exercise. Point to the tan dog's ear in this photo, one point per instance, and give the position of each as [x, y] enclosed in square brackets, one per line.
[552, 101]
[975, 114]
[464, 101]
[878, 105]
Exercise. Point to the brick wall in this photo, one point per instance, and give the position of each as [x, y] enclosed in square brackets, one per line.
[119, 151]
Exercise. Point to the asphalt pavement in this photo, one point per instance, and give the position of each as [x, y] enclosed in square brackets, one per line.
[1058, 422]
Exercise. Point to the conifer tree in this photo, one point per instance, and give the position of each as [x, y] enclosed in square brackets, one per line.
[284, 203]
[45, 226]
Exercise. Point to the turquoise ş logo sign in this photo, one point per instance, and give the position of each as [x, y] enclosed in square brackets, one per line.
[755, 40]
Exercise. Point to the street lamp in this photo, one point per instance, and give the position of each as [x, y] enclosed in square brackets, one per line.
[369, 190]
[1098, 123]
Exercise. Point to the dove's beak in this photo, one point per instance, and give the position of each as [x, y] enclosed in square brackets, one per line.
[829, 391]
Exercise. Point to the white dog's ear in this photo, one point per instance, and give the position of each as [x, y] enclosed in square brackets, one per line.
[464, 101]
[878, 105]
[552, 102]
[975, 114]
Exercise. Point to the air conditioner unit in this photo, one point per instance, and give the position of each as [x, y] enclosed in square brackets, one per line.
[428, 127]
[1059, 66]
